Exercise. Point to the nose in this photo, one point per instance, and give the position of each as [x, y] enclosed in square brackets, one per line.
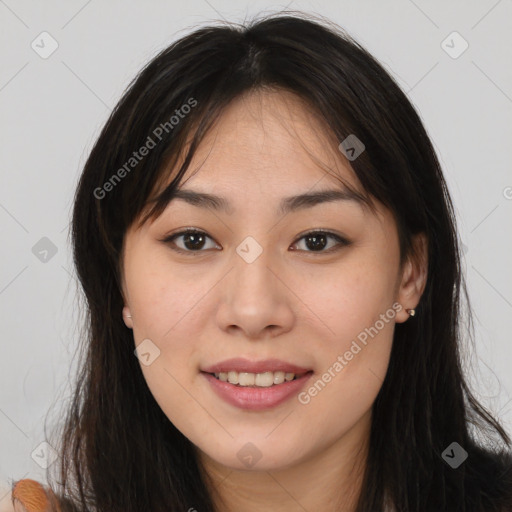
[256, 300]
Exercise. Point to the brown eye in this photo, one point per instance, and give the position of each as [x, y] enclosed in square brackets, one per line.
[193, 240]
[317, 241]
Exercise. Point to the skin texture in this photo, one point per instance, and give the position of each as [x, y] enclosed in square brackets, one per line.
[294, 303]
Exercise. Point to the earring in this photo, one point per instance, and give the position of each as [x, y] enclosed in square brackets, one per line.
[411, 312]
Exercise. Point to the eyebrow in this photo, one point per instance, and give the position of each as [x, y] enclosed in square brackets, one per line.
[287, 204]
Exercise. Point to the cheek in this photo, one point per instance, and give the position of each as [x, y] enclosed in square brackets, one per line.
[345, 299]
[351, 373]
[165, 308]
[163, 299]
[354, 321]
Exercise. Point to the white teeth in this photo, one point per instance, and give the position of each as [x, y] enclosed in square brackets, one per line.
[233, 377]
[246, 379]
[264, 380]
[278, 377]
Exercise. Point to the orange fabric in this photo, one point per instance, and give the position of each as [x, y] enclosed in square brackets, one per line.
[34, 497]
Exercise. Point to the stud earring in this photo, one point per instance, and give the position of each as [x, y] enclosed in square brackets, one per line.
[411, 312]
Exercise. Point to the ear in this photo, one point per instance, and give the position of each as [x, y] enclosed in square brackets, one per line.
[413, 277]
[127, 317]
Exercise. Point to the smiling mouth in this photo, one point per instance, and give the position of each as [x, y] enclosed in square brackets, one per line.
[257, 380]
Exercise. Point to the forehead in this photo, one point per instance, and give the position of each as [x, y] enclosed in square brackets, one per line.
[265, 141]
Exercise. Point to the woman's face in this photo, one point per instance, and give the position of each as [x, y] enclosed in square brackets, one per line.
[254, 287]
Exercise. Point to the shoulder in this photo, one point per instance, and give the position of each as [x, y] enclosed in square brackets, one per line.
[26, 494]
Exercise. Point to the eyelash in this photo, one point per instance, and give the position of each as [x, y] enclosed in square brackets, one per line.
[342, 242]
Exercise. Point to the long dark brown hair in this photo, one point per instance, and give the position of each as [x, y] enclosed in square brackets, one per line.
[119, 452]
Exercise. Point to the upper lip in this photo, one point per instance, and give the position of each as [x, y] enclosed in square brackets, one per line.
[239, 364]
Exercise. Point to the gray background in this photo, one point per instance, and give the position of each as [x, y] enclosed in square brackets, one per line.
[52, 110]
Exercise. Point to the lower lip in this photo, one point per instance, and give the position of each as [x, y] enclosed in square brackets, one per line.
[257, 398]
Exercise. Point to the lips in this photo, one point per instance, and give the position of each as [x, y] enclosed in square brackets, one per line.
[256, 398]
[244, 365]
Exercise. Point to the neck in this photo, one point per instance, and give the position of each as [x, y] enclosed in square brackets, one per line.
[330, 480]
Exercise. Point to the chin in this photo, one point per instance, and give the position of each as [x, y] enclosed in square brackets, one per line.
[257, 456]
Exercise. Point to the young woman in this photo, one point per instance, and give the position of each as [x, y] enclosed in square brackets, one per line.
[270, 263]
